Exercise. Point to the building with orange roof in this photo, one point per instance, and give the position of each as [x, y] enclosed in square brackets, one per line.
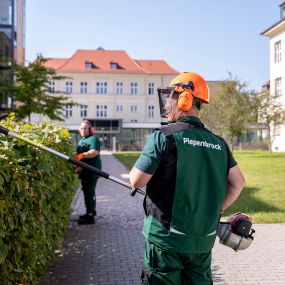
[276, 34]
[117, 94]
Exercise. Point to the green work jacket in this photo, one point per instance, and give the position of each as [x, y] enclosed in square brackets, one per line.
[184, 196]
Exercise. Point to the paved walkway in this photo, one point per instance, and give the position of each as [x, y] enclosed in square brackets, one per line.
[111, 251]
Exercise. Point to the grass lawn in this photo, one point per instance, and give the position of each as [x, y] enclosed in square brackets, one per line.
[264, 195]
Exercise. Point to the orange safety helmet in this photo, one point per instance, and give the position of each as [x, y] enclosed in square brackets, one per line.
[190, 84]
[183, 88]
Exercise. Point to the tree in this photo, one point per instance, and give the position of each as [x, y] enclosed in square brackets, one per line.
[230, 111]
[270, 112]
[33, 93]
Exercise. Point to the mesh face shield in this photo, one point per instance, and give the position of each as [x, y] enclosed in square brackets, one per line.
[165, 97]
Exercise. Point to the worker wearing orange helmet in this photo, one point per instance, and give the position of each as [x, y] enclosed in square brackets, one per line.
[190, 177]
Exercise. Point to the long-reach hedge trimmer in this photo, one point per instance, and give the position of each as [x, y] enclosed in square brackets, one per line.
[235, 233]
[79, 163]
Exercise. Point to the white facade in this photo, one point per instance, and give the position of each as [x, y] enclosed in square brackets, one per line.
[276, 34]
[104, 99]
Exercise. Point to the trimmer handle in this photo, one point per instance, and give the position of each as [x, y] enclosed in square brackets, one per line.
[133, 191]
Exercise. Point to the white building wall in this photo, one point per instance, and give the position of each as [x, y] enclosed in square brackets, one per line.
[279, 139]
[142, 99]
[277, 70]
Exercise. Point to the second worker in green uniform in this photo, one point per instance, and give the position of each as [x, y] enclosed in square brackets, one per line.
[88, 150]
[191, 176]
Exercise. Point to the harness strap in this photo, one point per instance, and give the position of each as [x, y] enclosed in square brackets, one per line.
[172, 128]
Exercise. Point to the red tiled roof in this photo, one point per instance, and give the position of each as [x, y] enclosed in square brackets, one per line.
[156, 66]
[55, 63]
[102, 59]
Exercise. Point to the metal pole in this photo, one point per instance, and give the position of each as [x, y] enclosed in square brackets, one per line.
[99, 172]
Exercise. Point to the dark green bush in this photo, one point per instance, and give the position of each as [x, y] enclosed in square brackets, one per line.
[36, 190]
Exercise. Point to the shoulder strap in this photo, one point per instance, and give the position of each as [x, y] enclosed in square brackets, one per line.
[172, 128]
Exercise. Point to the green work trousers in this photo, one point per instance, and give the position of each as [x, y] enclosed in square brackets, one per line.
[88, 188]
[164, 267]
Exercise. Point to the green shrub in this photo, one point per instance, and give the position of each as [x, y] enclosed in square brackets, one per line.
[36, 190]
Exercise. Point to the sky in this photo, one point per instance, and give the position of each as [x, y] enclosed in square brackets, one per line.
[214, 38]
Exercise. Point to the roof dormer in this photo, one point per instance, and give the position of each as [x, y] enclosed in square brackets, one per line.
[90, 65]
[115, 65]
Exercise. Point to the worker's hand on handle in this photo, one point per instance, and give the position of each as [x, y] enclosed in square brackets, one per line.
[79, 156]
[78, 169]
[133, 191]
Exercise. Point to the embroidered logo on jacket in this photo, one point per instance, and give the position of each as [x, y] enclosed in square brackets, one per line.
[195, 143]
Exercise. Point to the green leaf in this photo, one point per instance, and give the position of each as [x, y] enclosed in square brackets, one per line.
[2, 232]
[1, 180]
[11, 222]
[3, 252]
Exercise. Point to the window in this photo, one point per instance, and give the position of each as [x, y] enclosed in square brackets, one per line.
[83, 111]
[151, 111]
[151, 88]
[68, 87]
[134, 88]
[278, 90]
[83, 87]
[6, 51]
[89, 65]
[101, 111]
[282, 13]
[101, 87]
[277, 52]
[134, 108]
[114, 65]
[6, 13]
[68, 111]
[119, 108]
[119, 87]
[52, 86]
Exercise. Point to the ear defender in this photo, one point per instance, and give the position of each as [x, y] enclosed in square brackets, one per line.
[185, 101]
[91, 131]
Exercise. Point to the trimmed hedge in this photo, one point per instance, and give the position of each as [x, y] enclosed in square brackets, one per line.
[36, 190]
